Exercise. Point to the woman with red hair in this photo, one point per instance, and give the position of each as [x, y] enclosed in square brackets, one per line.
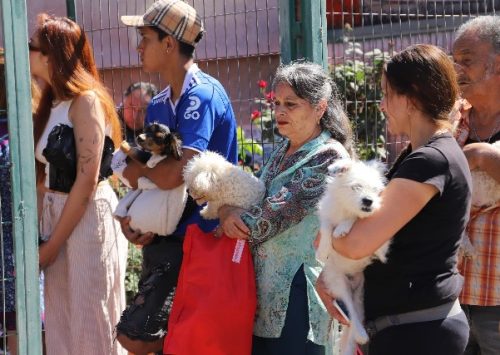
[83, 253]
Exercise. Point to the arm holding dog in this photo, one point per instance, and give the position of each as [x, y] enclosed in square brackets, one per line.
[231, 222]
[166, 175]
[292, 202]
[402, 199]
[195, 136]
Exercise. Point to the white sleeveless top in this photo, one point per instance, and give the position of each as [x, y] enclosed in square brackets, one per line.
[58, 114]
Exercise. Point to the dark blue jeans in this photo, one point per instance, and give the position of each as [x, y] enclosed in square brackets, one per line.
[293, 339]
[484, 336]
[441, 337]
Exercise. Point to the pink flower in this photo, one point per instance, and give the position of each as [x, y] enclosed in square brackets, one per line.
[255, 114]
[270, 96]
[262, 84]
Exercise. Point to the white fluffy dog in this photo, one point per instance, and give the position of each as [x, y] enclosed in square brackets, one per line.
[485, 193]
[485, 189]
[353, 191]
[211, 178]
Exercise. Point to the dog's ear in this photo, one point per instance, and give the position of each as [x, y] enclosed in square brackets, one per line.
[174, 145]
[378, 165]
[205, 181]
[339, 167]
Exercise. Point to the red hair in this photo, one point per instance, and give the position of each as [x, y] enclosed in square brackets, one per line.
[72, 72]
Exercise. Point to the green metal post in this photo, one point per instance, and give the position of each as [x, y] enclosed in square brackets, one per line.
[288, 30]
[15, 29]
[303, 30]
[314, 31]
[71, 9]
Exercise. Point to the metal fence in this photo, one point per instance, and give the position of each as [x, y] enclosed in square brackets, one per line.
[245, 42]
[361, 34]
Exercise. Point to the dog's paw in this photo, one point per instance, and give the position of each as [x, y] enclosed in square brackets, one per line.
[204, 212]
[467, 250]
[208, 213]
[361, 336]
[342, 229]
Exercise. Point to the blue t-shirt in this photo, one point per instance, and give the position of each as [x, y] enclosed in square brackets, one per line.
[204, 118]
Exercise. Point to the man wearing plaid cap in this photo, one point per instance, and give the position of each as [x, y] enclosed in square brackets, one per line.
[196, 106]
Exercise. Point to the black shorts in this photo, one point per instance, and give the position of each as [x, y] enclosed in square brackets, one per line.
[147, 317]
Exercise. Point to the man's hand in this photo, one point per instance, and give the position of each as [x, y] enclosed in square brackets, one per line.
[328, 299]
[132, 172]
[231, 223]
[132, 236]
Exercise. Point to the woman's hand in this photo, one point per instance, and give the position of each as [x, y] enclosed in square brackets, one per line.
[328, 299]
[231, 223]
[132, 236]
[316, 241]
[47, 253]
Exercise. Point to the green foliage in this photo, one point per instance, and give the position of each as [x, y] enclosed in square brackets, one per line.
[358, 81]
[262, 118]
[134, 258]
[262, 130]
[248, 145]
[133, 273]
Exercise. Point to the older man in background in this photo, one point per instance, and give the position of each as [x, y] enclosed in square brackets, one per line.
[476, 52]
[132, 111]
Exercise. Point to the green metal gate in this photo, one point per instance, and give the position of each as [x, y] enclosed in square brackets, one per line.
[24, 207]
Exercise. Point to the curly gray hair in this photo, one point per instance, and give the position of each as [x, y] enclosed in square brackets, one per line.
[487, 28]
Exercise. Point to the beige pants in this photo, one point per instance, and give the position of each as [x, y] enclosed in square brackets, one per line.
[84, 288]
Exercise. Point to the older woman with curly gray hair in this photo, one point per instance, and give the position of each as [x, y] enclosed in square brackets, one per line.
[281, 228]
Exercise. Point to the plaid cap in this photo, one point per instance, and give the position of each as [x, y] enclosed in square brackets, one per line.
[174, 17]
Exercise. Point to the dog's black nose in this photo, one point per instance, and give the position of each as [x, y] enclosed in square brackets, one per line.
[367, 202]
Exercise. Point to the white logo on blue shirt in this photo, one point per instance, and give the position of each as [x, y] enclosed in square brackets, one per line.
[191, 112]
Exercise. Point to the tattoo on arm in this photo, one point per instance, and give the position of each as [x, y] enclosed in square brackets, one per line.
[85, 158]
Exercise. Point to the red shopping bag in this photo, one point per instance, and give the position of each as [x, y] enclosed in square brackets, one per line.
[215, 300]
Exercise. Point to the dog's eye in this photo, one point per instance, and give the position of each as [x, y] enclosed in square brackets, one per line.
[356, 187]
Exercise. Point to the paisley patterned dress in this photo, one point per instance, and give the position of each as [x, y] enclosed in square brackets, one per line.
[283, 228]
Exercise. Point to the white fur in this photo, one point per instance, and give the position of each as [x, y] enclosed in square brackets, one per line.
[351, 185]
[150, 208]
[211, 178]
[485, 193]
[485, 189]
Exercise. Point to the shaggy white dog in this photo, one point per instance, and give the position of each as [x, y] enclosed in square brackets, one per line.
[485, 189]
[353, 191]
[213, 180]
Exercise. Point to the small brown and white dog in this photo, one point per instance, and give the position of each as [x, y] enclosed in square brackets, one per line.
[353, 191]
[211, 179]
[155, 144]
